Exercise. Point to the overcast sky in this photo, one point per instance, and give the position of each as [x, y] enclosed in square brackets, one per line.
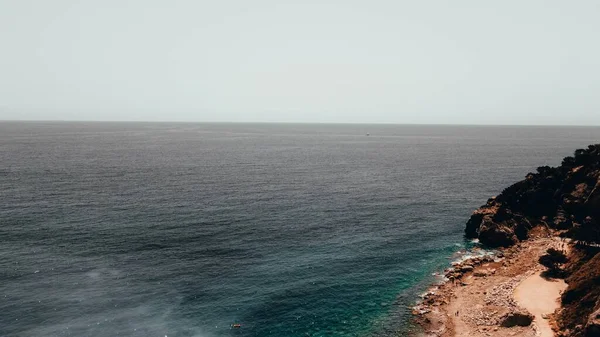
[466, 62]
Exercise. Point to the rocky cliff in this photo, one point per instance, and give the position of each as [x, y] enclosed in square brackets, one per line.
[565, 199]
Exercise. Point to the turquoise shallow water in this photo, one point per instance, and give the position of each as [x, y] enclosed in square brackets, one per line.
[133, 229]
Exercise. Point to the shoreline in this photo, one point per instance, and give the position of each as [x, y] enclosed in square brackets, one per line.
[477, 297]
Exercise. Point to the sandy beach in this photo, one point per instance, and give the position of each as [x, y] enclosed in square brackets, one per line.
[495, 297]
[539, 296]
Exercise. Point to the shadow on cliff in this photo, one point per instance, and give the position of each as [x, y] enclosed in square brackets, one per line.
[565, 200]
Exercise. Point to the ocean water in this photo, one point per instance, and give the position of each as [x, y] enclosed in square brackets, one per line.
[165, 229]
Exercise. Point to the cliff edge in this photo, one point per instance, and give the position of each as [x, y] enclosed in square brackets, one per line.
[565, 200]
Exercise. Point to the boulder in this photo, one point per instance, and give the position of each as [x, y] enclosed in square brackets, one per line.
[562, 221]
[473, 225]
[495, 234]
[466, 268]
[592, 328]
[516, 318]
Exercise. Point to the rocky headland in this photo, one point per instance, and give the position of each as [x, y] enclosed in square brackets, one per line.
[544, 279]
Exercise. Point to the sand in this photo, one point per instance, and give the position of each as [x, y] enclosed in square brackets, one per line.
[540, 297]
[475, 304]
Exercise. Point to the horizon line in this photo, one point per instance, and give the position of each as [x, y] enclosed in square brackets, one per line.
[281, 122]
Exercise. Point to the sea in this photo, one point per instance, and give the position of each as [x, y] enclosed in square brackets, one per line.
[248, 230]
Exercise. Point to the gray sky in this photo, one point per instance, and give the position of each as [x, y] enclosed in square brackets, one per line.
[474, 62]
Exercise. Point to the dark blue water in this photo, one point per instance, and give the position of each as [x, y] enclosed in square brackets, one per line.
[130, 229]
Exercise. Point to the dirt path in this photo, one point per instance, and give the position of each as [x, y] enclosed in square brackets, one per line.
[476, 304]
[540, 297]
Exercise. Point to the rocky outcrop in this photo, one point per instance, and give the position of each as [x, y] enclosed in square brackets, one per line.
[581, 300]
[516, 318]
[566, 198]
[592, 328]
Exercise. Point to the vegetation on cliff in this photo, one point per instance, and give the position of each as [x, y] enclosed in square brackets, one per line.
[553, 260]
[565, 199]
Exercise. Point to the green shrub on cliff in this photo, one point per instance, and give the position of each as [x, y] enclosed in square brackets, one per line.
[553, 259]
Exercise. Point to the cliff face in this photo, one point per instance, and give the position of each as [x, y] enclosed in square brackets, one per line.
[566, 199]
[580, 313]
